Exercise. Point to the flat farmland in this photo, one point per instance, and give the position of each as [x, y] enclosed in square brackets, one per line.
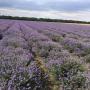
[38, 55]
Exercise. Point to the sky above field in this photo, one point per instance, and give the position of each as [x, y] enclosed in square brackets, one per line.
[60, 9]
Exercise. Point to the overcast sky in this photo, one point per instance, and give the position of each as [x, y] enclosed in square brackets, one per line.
[62, 9]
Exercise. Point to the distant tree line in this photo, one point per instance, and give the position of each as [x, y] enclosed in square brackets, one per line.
[42, 19]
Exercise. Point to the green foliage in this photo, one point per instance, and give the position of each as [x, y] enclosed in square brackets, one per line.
[71, 49]
[70, 74]
[56, 38]
[78, 82]
[87, 58]
[85, 52]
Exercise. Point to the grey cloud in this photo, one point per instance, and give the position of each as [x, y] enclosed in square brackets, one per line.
[69, 6]
[49, 5]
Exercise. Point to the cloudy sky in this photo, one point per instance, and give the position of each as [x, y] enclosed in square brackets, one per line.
[60, 9]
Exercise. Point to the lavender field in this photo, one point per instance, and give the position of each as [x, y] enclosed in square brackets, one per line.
[44, 55]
